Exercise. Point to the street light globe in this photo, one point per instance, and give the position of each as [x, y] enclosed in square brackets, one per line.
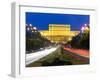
[86, 28]
[30, 24]
[85, 25]
[82, 28]
[34, 28]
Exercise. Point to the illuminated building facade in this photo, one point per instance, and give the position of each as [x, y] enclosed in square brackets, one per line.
[59, 33]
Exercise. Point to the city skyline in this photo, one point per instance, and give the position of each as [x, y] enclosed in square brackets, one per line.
[42, 20]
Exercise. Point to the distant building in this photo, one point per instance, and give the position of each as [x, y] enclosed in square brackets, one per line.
[59, 33]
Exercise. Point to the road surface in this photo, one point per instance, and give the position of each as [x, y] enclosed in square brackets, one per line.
[80, 52]
[38, 55]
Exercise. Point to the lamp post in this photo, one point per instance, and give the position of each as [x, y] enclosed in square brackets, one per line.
[82, 29]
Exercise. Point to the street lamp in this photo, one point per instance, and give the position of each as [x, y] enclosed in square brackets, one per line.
[28, 29]
[86, 28]
[82, 29]
[85, 25]
[30, 25]
[34, 28]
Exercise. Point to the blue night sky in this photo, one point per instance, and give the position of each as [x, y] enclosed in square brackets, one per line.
[42, 20]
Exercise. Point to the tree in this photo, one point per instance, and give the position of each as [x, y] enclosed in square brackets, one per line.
[34, 40]
[81, 40]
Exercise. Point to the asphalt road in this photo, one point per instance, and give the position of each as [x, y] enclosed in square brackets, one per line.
[38, 55]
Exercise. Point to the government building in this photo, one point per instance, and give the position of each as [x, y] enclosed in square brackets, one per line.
[59, 33]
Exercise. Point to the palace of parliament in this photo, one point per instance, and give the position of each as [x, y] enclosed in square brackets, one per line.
[59, 33]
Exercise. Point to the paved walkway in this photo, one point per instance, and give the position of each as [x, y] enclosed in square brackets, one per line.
[80, 52]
